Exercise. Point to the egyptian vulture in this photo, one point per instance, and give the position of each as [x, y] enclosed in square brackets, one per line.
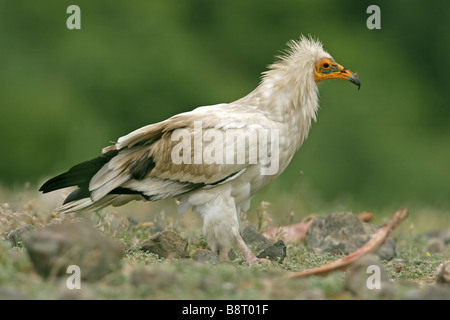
[213, 158]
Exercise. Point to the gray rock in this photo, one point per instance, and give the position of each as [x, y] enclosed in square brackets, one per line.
[166, 244]
[205, 256]
[58, 246]
[275, 253]
[254, 238]
[367, 279]
[343, 232]
[15, 237]
[272, 251]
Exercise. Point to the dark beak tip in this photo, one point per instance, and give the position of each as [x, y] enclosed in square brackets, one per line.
[355, 80]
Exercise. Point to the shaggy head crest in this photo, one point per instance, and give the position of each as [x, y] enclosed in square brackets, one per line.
[301, 55]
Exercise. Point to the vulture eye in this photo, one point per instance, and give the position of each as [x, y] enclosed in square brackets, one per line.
[326, 65]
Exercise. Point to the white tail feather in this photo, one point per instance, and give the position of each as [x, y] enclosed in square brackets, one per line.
[88, 205]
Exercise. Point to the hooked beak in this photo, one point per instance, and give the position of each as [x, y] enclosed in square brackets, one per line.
[350, 76]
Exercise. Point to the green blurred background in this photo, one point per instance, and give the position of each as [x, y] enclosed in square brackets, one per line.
[65, 94]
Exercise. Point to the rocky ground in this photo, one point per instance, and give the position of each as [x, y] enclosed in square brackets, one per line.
[120, 258]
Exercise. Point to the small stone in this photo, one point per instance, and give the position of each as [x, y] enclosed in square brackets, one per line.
[253, 237]
[15, 237]
[166, 244]
[232, 255]
[54, 248]
[205, 256]
[343, 232]
[275, 253]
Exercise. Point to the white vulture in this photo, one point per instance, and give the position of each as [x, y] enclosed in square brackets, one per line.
[213, 158]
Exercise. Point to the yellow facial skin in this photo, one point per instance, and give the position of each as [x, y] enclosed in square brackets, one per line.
[329, 69]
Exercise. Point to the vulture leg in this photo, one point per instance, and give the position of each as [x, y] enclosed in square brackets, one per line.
[247, 253]
[221, 226]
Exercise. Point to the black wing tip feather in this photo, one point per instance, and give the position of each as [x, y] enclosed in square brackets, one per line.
[78, 175]
[53, 184]
[77, 194]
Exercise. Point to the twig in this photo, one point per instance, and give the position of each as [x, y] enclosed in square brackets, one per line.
[372, 245]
